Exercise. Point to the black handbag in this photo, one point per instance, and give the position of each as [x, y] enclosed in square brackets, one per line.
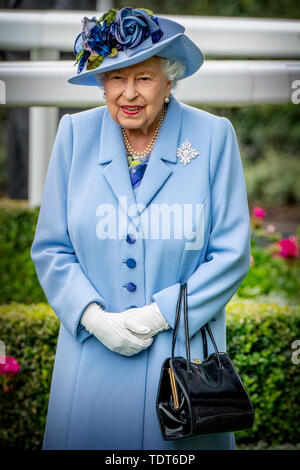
[200, 398]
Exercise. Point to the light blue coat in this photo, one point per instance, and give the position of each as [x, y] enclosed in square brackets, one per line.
[100, 399]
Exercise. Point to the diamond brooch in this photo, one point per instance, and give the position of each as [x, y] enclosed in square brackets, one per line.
[186, 152]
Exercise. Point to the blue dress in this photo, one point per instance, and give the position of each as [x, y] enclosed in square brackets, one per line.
[137, 167]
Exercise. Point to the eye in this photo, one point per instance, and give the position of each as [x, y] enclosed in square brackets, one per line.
[144, 79]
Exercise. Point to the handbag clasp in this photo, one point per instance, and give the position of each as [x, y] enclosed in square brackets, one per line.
[197, 361]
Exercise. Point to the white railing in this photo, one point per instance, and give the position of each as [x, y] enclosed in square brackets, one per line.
[218, 82]
[41, 83]
[226, 36]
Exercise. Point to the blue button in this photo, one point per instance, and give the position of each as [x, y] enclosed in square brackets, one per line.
[130, 238]
[131, 263]
[130, 286]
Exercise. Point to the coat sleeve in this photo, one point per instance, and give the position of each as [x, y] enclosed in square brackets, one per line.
[227, 260]
[67, 288]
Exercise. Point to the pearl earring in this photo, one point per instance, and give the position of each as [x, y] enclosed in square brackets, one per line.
[166, 100]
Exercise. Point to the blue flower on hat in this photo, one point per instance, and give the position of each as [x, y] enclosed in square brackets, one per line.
[132, 26]
[99, 40]
[92, 44]
[117, 30]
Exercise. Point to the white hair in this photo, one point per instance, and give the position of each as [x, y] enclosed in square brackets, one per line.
[172, 69]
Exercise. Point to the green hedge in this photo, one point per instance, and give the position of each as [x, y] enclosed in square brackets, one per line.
[270, 279]
[30, 335]
[18, 278]
[259, 339]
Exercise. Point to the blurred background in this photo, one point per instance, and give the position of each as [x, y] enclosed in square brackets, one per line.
[252, 69]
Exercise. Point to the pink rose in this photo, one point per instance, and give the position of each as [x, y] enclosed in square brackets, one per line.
[259, 213]
[9, 366]
[288, 247]
[271, 228]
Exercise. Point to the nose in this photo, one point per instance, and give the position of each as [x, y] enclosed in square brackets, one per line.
[130, 91]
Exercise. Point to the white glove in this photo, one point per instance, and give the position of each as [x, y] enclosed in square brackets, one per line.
[145, 321]
[107, 328]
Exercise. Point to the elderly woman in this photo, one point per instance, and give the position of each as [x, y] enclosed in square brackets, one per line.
[141, 196]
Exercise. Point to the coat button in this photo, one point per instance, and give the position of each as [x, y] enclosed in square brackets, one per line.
[131, 263]
[130, 238]
[130, 286]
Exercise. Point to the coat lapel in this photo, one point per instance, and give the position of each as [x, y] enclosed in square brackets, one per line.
[165, 150]
[113, 155]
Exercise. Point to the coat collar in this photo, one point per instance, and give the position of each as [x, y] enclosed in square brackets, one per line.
[112, 152]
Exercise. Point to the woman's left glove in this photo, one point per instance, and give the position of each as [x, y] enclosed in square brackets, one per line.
[145, 321]
[107, 328]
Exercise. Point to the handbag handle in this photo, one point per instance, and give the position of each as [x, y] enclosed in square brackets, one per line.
[183, 294]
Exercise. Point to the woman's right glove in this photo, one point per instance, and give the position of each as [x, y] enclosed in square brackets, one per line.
[105, 327]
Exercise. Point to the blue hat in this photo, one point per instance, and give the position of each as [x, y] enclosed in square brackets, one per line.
[125, 37]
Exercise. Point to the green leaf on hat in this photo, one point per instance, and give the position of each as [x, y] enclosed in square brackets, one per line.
[109, 16]
[113, 53]
[149, 12]
[78, 56]
[94, 61]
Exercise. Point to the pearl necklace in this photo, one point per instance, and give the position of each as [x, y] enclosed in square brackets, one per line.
[150, 146]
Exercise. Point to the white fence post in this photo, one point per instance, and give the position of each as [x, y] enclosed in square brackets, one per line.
[42, 130]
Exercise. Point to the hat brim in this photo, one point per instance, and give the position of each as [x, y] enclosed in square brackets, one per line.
[179, 47]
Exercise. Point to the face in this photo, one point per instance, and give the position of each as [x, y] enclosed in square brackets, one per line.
[135, 94]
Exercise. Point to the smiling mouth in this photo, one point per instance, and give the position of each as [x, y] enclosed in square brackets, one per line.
[131, 109]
